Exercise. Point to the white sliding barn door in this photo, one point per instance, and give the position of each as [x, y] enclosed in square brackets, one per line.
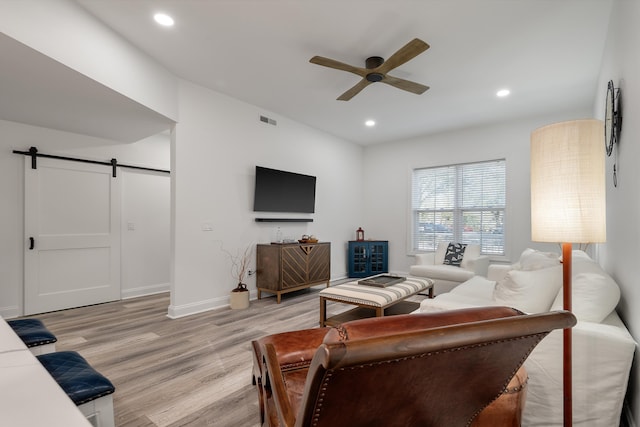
[72, 235]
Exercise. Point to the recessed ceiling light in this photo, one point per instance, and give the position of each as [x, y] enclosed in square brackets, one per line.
[502, 93]
[163, 19]
[370, 123]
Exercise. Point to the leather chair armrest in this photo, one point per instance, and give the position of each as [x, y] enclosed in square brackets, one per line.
[425, 258]
[275, 387]
[292, 349]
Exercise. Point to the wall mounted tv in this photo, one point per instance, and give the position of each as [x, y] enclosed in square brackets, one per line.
[281, 191]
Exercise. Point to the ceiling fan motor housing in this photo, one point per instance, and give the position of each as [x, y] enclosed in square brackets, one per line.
[371, 63]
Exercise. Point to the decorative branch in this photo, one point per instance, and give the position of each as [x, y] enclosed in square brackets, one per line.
[240, 266]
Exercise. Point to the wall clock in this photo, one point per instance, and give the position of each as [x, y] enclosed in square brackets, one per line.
[612, 119]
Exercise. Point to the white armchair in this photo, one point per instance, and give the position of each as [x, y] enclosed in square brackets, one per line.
[447, 277]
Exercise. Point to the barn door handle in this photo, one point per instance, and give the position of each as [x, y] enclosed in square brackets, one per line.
[32, 243]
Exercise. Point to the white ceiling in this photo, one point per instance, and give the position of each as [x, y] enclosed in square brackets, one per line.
[547, 52]
[40, 91]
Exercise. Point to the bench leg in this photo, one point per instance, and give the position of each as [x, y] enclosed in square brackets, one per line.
[379, 312]
[99, 411]
[323, 311]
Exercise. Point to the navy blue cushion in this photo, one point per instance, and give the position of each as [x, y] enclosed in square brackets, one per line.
[32, 332]
[77, 378]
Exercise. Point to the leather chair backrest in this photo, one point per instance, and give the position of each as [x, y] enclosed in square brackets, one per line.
[404, 323]
[419, 370]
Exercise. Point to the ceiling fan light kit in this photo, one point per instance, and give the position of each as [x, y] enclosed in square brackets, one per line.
[376, 69]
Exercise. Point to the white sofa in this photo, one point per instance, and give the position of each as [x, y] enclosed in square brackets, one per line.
[446, 277]
[603, 349]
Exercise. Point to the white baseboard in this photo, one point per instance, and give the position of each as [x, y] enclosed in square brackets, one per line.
[177, 311]
[145, 290]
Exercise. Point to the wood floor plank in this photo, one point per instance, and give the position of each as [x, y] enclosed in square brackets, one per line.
[193, 371]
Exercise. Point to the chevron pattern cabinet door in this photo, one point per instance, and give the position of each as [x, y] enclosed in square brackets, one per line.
[285, 268]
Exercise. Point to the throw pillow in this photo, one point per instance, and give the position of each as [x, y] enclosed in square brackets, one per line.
[530, 291]
[532, 259]
[593, 297]
[455, 253]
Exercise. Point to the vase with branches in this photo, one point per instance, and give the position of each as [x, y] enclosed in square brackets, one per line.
[240, 266]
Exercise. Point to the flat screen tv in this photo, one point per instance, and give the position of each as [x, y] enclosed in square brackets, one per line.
[281, 191]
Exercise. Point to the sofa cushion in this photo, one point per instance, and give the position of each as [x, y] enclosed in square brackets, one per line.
[455, 253]
[441, 272]
[476, 287]
[531, 291]
[532, 259]
[441, 251]
[594, 297]
[471, 253]
[450, 301]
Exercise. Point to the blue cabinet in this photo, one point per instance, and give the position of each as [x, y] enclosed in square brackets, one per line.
[368, 258]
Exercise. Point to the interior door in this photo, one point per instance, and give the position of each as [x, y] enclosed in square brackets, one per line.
[72, 227]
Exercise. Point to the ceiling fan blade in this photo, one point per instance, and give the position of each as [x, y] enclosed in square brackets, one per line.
[332, 63]
[407, 52]
[403, 84]
[354, 90]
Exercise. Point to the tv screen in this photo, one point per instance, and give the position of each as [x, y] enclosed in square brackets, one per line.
[281, 191]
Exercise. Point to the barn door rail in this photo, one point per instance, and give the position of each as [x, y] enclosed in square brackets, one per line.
[34, 154]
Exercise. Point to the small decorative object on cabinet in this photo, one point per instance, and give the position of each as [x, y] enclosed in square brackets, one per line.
[368, 258]
[360, 234]
[283, 268]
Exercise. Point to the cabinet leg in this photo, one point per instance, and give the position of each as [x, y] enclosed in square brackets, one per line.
[278, 296]
[259, 293]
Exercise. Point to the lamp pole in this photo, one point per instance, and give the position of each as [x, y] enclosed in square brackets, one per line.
[567, 379]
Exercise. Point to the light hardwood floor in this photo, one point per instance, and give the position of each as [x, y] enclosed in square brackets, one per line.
[192, 371]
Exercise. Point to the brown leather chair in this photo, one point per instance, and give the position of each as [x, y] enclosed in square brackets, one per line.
[435, 369]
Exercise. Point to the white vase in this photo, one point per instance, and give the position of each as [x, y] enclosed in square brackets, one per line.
[239, 300]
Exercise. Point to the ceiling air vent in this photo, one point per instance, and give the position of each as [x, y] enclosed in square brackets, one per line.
[266, 119]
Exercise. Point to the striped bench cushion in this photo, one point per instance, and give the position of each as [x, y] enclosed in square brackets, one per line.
[354, 293]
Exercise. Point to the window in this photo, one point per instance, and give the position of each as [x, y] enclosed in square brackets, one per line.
[459, 203]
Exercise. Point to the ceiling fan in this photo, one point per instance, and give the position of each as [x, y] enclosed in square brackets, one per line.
[377, 68]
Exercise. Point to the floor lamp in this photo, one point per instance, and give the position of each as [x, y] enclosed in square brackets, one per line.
[568, 204]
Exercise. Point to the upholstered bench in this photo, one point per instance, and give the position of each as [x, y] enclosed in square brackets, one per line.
[86, 387]
[369, 298]
[34, 334]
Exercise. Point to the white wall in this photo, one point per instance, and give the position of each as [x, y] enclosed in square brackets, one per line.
[217, 145]
[619, 256]
[145, 232]
[387, 174]
[141, 273]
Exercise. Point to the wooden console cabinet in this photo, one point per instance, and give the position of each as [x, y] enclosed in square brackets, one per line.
[283, 268]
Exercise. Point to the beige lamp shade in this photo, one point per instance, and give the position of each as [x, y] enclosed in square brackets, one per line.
[568, 183]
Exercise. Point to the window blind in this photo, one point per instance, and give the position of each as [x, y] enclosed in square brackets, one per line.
[459, 203]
